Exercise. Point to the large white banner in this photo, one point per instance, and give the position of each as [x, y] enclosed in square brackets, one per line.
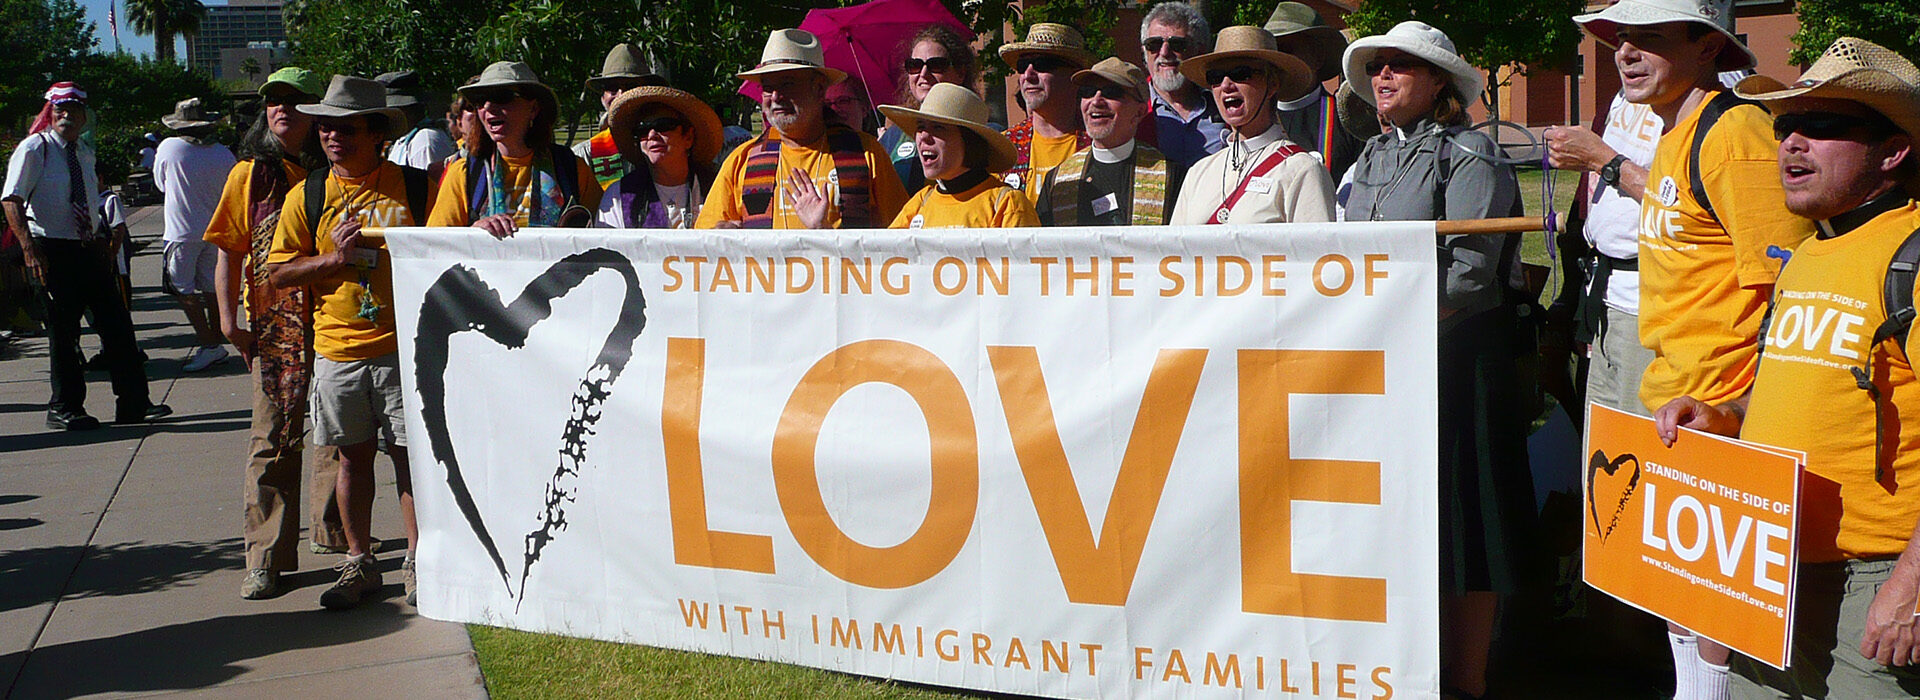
[1188, 461]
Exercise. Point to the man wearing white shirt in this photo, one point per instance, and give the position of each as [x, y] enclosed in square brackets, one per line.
[190, 171]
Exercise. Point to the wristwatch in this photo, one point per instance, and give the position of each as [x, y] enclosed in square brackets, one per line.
[1610, 173]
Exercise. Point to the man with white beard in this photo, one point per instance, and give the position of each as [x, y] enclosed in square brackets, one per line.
[1188, 125]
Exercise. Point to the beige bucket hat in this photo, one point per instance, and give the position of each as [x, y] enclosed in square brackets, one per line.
[188, 114]
[1856, 70]
[1250, 42]
[1050, 39]
[629, 105]
[513, 74]
[1718, 14]
[352, 96]
[952, 104]
[792, 50]
[1121, 73]
[1423, 42]
[1296, 24]
[625, 62]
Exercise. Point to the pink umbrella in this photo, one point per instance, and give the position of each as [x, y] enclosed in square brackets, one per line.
[864, 40]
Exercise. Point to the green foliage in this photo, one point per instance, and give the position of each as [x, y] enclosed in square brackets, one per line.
[38, 39]
[1894, 24]
[703, 44]
[128, 96]
[1501, 38]
[370, 37]
[163, 20]
[1230, 13]
[563, 40]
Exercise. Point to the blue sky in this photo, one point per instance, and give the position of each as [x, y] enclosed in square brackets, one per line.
[129, 41]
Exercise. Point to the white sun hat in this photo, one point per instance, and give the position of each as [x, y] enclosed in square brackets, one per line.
[1718, 14]
[1423, 42]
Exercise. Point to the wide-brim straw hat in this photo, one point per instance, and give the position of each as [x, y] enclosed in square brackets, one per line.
[790, 50]
[352, 96]
[1852, 69]
[625, 62]
[1718, 14]
[299, 80]
[502, 74]
[1250, 42]
[952, 104]
[626, 109]
[1121, 73]
[1295, 20]
[1050, 39]
[1422, 41]
[188, 115]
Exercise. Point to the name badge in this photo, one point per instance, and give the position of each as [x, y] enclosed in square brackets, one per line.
[1105, 204]
[1260, 185]
[918, 221]
[364, 257]
[1669, 193]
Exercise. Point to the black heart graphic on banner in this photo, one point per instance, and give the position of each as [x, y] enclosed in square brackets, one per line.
[1597, 464]
[460, 301]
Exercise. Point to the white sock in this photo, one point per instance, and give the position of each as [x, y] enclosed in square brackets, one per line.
[1712, 681]
[1686, 667]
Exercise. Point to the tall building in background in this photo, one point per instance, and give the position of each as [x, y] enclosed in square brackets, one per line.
[238, 31]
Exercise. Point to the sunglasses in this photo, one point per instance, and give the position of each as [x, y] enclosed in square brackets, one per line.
[1238, 74]
[660, 124]
[341, 130]
[505, 97]
[1828, 126]
[1044, 64]
[1111, 92]
[1178, 44]
[937, 64]
[1400, 64]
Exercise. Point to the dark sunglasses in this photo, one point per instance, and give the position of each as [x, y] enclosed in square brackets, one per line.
[1111, 92]
[937, 64]
[1238, 74]
[1044, 64]
[1179, 44]
[1828, 126]
[341, 130]
[660, 124]
[496, 96]
[1400, 64]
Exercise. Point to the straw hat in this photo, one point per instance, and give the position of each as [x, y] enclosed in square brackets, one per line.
[188, 115]
[1049, 39]
[1299, 22]
[1718, 14]
[625, 62]
[513, 74]
[629, 105]
[792, 50]
[352, 96]
[299, 80]
[1118, 72]
[1249, 42]
[1856, 70]
[1423, 42]
[951, 104]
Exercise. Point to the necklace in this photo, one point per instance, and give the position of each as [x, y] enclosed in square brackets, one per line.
[369, 302]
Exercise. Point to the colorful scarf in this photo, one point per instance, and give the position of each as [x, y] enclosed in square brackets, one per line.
[1146, 203]
[760, 179]
[281, 320]
[604, 157]
[544, 199]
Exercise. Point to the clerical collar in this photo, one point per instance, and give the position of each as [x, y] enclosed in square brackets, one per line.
[1266, 138]
[1308, 100]
[961, 183]
[1846, 222]
[1115, 155]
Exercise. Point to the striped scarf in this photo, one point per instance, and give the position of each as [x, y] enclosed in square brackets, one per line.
[760, 179]
[1146, 203]
[604, 157]
[1022, 136]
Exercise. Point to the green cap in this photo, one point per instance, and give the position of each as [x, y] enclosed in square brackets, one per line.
[305, 81]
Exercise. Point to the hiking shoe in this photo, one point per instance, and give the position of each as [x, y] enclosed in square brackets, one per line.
[375, 545]
[71, 420]
[357, 579]
[204, 357]
[260, 584]
[407, 579]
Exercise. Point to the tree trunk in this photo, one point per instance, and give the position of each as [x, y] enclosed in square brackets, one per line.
[163, 45]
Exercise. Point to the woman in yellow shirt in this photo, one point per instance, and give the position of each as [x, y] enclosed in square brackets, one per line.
[513, 174]
[959, 153]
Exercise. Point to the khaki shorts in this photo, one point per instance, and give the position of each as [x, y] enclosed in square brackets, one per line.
[187, 267]
[357, 401]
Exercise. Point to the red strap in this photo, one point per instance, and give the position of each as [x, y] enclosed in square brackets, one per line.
[1286, 151]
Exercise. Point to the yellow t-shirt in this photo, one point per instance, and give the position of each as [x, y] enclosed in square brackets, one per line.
[990, 204]
[380, 198]
[1046, 154]
[1827, 304]
[886, 194]
[232, 227]
[1704, 285]
[451, 210]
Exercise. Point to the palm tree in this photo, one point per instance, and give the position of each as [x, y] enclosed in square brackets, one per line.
[163, 19]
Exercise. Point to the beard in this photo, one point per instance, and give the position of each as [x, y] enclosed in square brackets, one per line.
[1171, 81]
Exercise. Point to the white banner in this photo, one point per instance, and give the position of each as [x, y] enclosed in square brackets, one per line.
[1188, 461]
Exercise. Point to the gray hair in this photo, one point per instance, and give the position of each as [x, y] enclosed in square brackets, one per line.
[1182, 15]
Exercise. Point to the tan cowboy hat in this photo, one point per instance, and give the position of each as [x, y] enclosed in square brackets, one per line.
[1249, 42]
[792, 50]
[1856, 70]
[1121, 73]
[625, 62]
[352, 96]
[951, 104]
[1292, 20]
[1423, 42]
[1049, 39]
[627, 107]
[1718, 14]
[188, 115]
[513, 74]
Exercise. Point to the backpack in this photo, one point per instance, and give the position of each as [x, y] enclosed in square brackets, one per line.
[316, 194]
[1709, 115]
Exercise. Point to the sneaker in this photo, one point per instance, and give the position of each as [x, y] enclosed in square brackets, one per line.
[357, 579]
[407, 580]
[375, 546]
[204, 357]
[153, 412]
[71, 420]
[260, 584]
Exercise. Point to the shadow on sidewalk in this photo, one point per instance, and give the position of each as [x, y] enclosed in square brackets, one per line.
[220, 422]
[30, 577]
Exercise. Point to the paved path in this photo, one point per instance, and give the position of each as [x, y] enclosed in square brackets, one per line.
[121, 558]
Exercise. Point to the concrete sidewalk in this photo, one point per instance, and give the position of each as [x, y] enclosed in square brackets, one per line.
[121, 556]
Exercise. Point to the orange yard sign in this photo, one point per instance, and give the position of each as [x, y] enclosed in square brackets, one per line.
[1701, 533]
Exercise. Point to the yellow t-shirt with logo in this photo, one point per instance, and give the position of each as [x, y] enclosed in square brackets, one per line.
[379, 199]
[451, 209]
[990, 204]
[1704, 285]
[885, 193]
[1047, 153]
[1827, 304]
[231, 228]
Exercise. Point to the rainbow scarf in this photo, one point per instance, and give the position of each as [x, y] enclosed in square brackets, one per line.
[544, 200]
[603, 155]
[760, 179]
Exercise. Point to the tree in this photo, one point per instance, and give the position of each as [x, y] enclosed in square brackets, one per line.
[251, 67]
[369, 37]
[703, 44]
[563, 40]
[128, 95]
[1501, 38]
[165, 19]
[38, 39]
[1894, 24]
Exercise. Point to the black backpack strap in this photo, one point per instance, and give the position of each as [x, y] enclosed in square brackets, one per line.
[417, 181]
[1897, 294]
[566, 169]
[316, 194]
[1709, 115]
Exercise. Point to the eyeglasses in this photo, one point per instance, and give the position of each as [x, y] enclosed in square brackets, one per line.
[1400, 64]
[505, 97]
[1109, 91]
[1178, 44]
[1828, 126]
[937, 64]
[844, 102]
[1044, 64]
[1239, 74]
[341, 130]
[660, 124]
